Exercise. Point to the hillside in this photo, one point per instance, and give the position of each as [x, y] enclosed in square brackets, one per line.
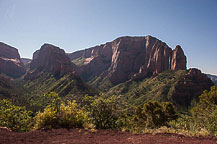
[68, 87]
[6, 88]
[50, 70]
[180, 87]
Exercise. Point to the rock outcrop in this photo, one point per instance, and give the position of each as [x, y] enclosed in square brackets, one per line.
[128, 58]
[10, 62]
[191, 87]
[178, 59]
[50, 59]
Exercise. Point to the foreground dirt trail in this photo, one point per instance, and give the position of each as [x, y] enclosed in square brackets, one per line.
[78, 136]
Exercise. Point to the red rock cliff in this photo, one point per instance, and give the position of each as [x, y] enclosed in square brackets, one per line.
[129, 58]
[50, 59]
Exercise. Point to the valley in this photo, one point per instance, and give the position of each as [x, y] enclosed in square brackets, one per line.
[132, 84]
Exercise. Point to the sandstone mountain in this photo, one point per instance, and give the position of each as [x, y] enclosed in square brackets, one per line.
[50, 59]
[10, 62]
[127, 58]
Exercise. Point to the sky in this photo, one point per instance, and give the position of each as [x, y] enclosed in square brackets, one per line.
[78, 24]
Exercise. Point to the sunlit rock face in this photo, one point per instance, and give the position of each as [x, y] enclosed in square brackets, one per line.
[50, 59]
[128, 58]
[10, 62]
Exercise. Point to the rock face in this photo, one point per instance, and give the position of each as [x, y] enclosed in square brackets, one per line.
[10, 62]
[191, 87]
[50, 59]
[128, 58]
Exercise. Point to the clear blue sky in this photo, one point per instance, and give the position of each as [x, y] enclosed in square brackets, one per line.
[79, 24]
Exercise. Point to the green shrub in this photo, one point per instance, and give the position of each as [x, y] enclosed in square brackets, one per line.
[106, 113]
[60, 115]
[205, 112]
[154, 114]
[202, 118]
[14, 117]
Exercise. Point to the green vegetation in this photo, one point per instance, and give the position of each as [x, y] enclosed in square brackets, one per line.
[60, 115]
[155, 114]
[103, 84]
[205, 112]
[114, 112]
[14, 117]
[6, 88]
[135, 106]
[68, 87]
[157, 88]
[203, 117]
[79, 61]
[106, 112]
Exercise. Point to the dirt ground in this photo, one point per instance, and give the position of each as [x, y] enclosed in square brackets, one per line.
[80, 136]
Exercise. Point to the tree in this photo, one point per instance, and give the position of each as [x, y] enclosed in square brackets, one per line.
[205, 112]
[154, 114]
[106, 112]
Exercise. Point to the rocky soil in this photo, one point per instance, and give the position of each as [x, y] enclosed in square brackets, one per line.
[79, 136]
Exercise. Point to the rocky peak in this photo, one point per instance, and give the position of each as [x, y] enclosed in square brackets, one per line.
[50, 59]
[178, 59]
[10, 62]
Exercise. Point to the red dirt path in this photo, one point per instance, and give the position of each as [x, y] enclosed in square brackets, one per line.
[78, 136]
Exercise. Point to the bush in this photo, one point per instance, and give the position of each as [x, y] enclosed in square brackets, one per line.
[106, 113]
[154, 114]
[14, 117]
[60, 115]
[203, 117]
[205, 112]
